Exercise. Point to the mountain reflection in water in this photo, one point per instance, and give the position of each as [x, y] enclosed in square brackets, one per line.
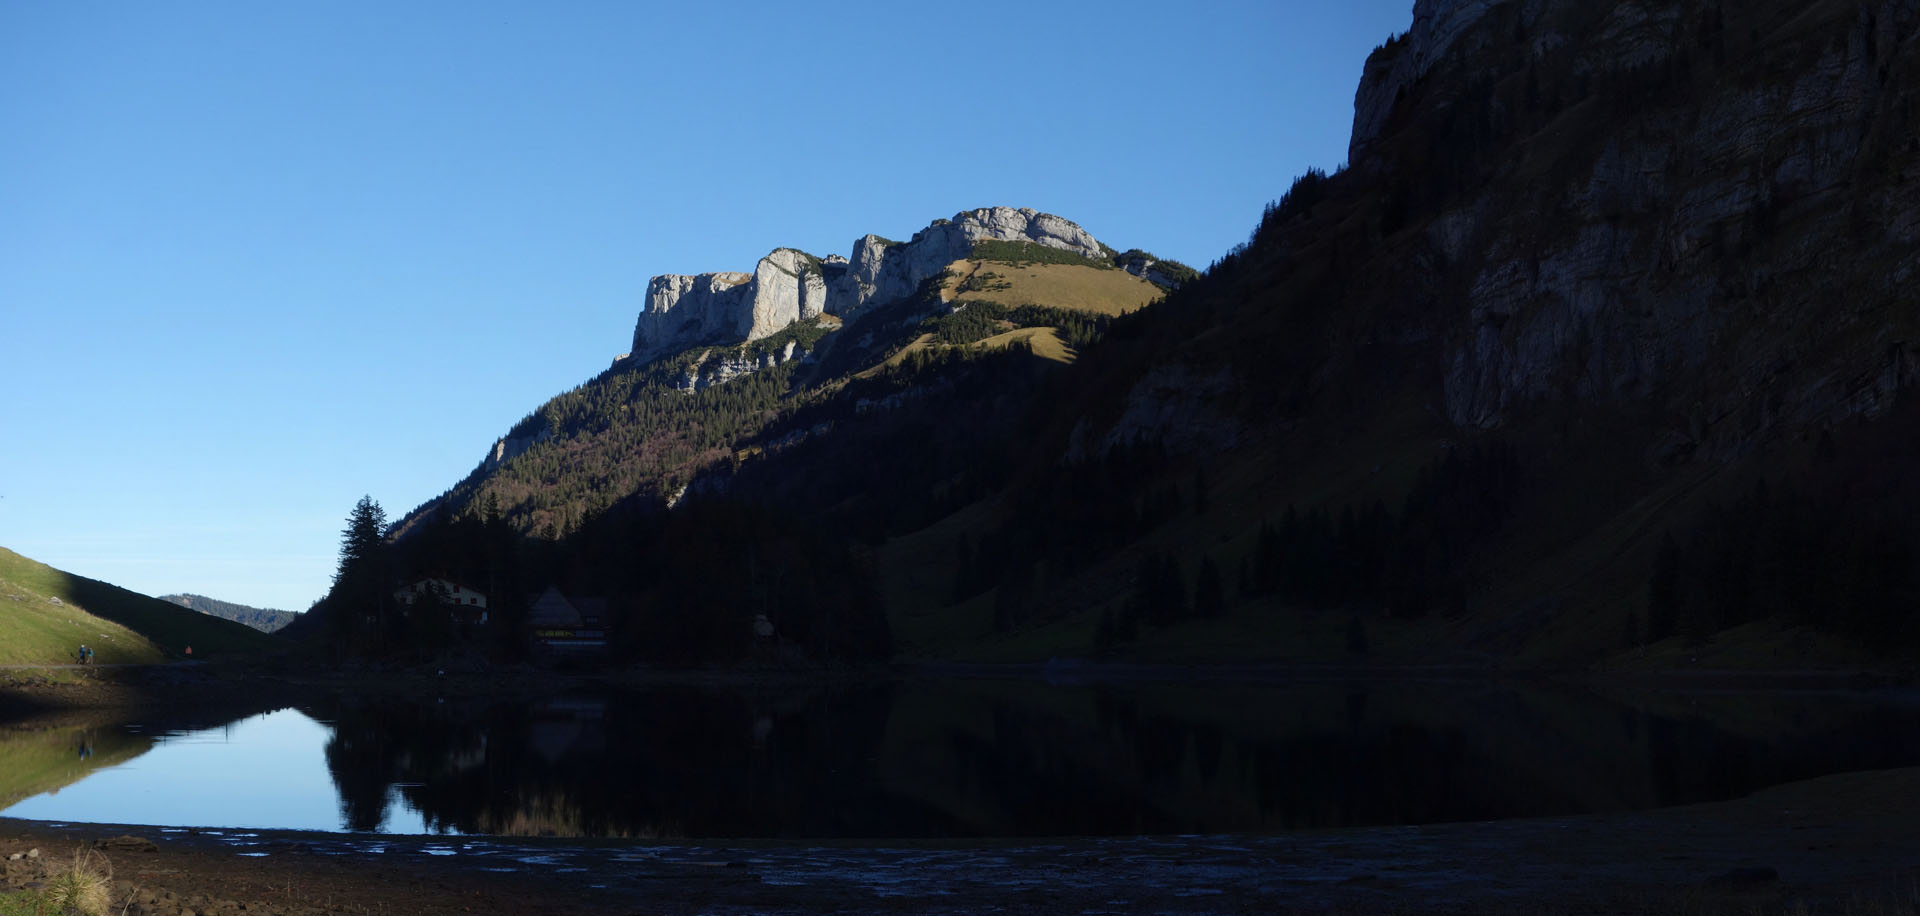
[1013, 758]
[947, 758]
[46, 756]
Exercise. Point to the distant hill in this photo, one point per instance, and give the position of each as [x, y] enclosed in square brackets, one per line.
[264, 619]
[46, 614]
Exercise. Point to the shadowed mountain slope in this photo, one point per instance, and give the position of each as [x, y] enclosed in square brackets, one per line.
[46, 614]
[1599, 351]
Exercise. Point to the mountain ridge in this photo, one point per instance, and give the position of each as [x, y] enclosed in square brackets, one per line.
[266, 620]
[789, 285]
[1564, 369]
[699, 331]
[1597, 354]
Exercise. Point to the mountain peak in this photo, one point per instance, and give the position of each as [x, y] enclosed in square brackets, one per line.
[789, 285]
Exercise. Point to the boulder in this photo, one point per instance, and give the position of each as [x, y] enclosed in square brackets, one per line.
[128, 843]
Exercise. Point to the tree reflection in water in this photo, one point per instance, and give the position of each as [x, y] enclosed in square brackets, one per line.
[1015, 758]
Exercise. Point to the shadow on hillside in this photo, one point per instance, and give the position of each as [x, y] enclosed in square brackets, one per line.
[173, 629]
[166, 669]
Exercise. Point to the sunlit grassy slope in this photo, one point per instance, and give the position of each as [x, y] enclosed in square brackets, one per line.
[897, 357]
[1076, 287]
[46, 614]
[1070, 287]
[1046, 343]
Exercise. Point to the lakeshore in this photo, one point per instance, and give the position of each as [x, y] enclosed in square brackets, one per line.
[1827, 845]
[1823, 844]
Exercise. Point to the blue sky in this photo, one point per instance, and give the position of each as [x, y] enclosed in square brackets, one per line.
[260, 259]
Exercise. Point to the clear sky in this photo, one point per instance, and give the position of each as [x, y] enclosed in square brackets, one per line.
[260, 259]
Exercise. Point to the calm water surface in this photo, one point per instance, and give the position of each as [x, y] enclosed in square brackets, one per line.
[962, 758]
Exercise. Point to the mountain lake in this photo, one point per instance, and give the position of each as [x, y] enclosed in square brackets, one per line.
[960, 758]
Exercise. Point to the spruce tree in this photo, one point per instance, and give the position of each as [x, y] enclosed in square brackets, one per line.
[362, 543]
[360, 598]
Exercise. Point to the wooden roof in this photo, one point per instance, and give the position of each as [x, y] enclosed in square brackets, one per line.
[552, 609]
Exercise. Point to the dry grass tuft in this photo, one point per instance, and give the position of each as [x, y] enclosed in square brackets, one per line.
[85, 886]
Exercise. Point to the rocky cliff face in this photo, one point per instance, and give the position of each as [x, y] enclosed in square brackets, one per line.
[1705, 208]
[716, 308]
[1437, 24]
[789, 285]
[883, 271]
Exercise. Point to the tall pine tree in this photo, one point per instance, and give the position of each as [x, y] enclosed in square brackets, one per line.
[361, 600]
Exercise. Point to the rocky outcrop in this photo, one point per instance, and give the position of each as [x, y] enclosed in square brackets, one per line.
[510, 447]
[717, 308]
[883, 271]
[1175, 405]
[1147, 268]
[790, 285]
[712, 368]
[1437, 25]
[1703, 211]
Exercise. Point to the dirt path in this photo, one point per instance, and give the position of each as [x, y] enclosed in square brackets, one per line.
[1827, 842]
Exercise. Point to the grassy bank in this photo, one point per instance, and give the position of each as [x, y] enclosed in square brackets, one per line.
[46, 614]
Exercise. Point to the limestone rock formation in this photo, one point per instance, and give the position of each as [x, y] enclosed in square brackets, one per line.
[715, 308]
[789, 285]
[1632, 202]
[1175, 405]
[1437, 24]
[717, 369]
[509, 447]
[883, 271]
[1148, 269]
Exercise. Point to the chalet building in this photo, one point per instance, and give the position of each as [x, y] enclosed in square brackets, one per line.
[469, 604]
[558, 626]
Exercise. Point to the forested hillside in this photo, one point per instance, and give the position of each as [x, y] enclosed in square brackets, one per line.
[1567, 366]
[1552, 374]
[692, 500]
[648, 430]
[266, 620]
